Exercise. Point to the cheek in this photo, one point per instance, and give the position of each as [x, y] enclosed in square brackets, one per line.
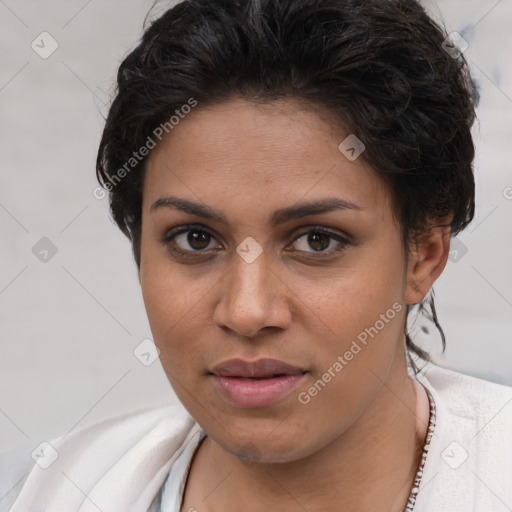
[171, 294]
[351, 364]
[354, 298]
[364, 326]
[169, 299]
[362, 307]
[172, 303]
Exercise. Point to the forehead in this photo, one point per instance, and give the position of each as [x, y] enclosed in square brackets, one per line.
[258, 155]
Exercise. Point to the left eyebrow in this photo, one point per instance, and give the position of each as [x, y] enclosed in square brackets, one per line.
[312, 208]
[278, 217]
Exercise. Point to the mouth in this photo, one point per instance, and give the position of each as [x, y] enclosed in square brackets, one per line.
[260, 383]
[260, 369]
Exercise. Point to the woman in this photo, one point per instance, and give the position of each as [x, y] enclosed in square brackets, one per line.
[290, 173]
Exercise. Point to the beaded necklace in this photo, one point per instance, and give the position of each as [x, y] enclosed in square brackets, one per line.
[431, 425]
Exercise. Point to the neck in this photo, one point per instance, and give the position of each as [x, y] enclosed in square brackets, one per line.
[381, 451]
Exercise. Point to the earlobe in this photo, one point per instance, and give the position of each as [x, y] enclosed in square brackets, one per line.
[427, 260]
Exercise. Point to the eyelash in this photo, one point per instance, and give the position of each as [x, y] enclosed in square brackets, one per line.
[170, 236]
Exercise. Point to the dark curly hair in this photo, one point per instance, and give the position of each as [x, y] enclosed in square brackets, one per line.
[379, 67]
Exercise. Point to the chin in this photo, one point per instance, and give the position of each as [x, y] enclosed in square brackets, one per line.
[259, 448]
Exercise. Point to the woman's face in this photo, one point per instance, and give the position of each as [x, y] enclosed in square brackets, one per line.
[275, 273]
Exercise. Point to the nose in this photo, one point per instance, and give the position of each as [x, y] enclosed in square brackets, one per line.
[253, 299]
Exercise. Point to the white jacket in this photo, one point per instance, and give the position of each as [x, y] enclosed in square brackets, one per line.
[121, 464]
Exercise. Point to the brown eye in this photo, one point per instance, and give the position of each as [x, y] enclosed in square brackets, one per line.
[198, 239]
[187, 241]
[319, 240]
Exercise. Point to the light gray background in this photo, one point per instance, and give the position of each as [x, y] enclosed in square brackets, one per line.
[69, 326]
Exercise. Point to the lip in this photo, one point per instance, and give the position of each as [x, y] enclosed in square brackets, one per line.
[259, 368]
[260, 383]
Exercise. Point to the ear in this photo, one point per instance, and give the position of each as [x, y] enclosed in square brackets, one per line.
[427, 258]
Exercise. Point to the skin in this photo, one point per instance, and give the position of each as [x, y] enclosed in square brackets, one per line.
[365, 429]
